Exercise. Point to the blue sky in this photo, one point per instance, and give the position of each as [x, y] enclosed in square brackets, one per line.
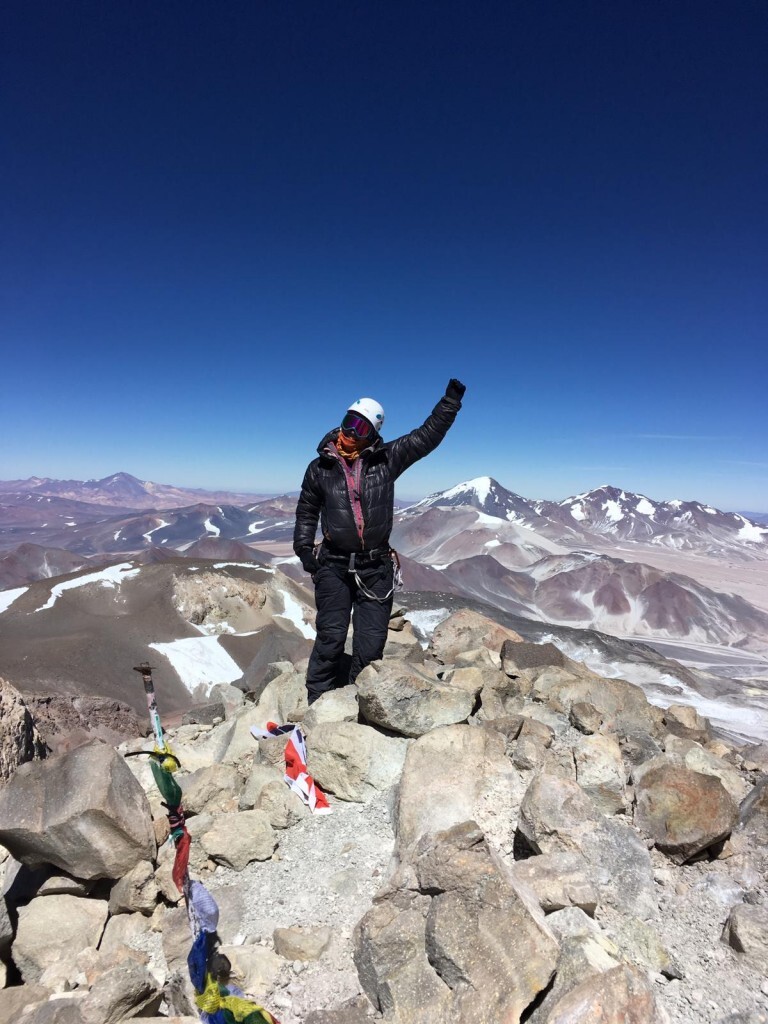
[221, 223]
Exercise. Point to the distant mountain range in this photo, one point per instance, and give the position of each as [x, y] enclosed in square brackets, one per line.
[608, 514]
[121, 490]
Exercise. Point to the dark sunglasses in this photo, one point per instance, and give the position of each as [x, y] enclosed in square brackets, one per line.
[356, 425]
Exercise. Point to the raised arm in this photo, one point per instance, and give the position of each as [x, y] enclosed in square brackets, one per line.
[409, 448]
[307, 514]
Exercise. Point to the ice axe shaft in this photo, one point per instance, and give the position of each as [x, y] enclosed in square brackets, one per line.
[154, 715]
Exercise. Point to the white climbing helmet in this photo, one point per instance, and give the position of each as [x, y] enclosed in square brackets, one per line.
[371, 409]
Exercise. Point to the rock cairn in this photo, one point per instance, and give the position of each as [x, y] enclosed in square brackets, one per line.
[548, 827]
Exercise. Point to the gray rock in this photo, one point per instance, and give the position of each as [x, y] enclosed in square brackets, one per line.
[623, 707]
[467, 630]
[622, 995]
[684, 812]
[122, 930]
[475, 781]
[135, 892]
[301, 943]
[753, 812]
[121, 992]
[620, 866]
[82, 811]
[54, 929]
[585, 717]
[404, 700]
[260, 775]
[237, 839]
[56, 1011]
[580, 957]
[518, 656]
[230, 697]
[205, 714]
[556, 814]
[211, 789]
[255, 967]
[354, 761]
[391, 959]
[281, 805]
[20, 741]
[746, 931]
[685, 721]
[600, 771]
[559, 880]
[339, 705]
[18, 998]
[641, 943]
[485, 937]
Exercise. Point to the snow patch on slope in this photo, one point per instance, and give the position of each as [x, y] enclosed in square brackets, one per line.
[210, 528]
[7, 597]
[294, 612]
[110, 577]
[199, 661]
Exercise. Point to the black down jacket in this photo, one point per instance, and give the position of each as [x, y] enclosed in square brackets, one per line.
[324, 493]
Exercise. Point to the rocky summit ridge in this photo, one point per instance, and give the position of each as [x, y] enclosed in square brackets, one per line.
[513, 838]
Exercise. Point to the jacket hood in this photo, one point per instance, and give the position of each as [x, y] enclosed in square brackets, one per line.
[333, 434]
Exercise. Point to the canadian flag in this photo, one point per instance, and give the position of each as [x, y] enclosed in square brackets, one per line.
[296, 775]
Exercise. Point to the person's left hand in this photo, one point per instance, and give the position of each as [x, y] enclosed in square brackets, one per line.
[455, 389]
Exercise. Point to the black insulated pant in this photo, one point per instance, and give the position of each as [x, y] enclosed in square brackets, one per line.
[338, 598]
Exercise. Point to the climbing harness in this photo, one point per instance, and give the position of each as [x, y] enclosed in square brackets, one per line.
[397, 579]
[217, 999]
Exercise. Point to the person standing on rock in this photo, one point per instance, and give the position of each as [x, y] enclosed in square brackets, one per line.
[350, 489]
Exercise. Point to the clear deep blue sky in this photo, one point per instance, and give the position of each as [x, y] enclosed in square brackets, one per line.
[223, 222]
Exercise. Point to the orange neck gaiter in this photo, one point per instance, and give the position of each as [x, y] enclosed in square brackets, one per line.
[349, 447]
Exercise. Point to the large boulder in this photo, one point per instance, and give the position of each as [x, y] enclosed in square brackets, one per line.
[19, 739]
[407, 701]
[82, 811]
[622, 995]
[684, 812]
[555, 815]
[467, 630]
[558, 880]
[353, 761]
[390, 955]
[454, 774]
[53, 930]
[211, 789]
[600, 771]
[122, 992]
[685, 721]
[581, 956]
[135, 892]
[622, 707]
[484, 937]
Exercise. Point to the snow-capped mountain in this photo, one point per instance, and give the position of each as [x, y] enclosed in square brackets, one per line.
[608, 515]
[684, 525]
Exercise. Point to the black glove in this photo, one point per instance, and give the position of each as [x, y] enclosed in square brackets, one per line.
[308, 560]
[455, 389]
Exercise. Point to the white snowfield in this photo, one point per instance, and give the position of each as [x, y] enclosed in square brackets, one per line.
[148, 535]
[7, 597]
[644, 507]
[426, 621]
[245, 565]
[110, 577]
[210, 528]
[293, 611]
[199, 661]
